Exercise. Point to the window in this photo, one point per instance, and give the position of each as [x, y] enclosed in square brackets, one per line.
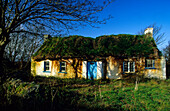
[149, 63]
[46, 65]
[125, 66]
[128, 66]
[62, 66]
[132, 65]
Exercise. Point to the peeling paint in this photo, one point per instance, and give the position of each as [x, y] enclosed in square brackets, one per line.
[114, 68]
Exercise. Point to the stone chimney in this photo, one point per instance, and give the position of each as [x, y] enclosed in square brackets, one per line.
[46, 37]
[149, 32]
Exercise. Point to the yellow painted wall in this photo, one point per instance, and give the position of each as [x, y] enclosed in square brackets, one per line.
[158, 72]
[37, 68]
[114, 68]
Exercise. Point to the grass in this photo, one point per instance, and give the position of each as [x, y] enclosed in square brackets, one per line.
[70, 94]
[151, 95]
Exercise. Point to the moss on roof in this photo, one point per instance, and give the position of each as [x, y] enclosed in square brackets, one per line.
[86, 47]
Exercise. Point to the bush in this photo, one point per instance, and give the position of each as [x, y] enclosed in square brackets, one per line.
[76, 94]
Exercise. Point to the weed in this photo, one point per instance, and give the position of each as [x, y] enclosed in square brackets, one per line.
[76, 94]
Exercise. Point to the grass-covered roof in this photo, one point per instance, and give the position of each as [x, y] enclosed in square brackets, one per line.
[122, 45]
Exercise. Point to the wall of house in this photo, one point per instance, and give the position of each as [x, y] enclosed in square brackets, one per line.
[99, 69]
[114, 68]
[84, 70]
[37, 68]
[159, 71]
[33, 67]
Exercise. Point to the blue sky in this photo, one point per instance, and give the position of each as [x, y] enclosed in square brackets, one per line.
[130, 16]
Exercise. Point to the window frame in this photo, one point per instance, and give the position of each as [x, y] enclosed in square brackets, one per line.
[61, 71]
[129, 67]
[45, 66]
[152, 64]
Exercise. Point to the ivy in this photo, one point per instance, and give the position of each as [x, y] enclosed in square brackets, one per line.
[123, 45]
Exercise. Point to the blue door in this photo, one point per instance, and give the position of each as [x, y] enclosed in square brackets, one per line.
[92, 70]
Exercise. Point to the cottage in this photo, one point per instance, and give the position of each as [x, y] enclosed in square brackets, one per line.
[109, 56]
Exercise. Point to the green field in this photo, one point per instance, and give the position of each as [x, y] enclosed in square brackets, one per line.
[45, 94]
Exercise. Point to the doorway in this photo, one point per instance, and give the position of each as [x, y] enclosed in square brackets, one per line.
[92, 70]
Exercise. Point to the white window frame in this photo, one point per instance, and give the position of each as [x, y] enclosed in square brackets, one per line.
[62, 66]
[128, 65]
[49, 69]
[152, 63]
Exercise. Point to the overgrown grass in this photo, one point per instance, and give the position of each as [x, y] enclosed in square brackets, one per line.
[51, 93]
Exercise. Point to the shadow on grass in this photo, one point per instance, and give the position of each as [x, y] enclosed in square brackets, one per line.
[64, 100]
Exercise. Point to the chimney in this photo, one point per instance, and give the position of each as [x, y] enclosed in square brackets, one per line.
[149, 32]
[46, 37]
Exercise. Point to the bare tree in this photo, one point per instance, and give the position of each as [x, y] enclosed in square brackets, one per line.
[158, 36]
[22, 46]
[54, 15]
[166, 52]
